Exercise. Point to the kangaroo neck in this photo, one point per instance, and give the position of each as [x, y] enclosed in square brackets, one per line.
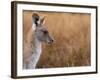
[37, 46]
[36, 52]
[37, 43]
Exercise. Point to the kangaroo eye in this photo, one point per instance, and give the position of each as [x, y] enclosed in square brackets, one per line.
[45, 32]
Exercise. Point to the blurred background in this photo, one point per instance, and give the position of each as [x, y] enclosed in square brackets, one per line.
[71, 32]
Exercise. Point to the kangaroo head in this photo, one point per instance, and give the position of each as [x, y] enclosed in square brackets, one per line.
[41, 32]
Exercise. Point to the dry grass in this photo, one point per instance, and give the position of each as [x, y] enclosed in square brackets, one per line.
[71, 32]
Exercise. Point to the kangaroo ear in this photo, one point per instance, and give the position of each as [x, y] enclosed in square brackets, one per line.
[35, 19]
[42, 20]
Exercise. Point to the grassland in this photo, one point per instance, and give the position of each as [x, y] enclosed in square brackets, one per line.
[71, 32]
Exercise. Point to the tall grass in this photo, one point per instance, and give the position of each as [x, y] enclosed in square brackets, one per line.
[71, 32]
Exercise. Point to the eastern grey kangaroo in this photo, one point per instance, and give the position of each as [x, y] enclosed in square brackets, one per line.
[40, 34]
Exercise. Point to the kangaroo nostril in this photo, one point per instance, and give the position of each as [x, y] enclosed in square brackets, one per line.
[52, 40]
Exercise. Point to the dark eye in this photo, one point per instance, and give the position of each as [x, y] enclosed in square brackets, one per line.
[45, 32]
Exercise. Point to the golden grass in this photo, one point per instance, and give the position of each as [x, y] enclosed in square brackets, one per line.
[71, 32]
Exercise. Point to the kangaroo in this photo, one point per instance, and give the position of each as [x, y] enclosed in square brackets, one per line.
[40, 34]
